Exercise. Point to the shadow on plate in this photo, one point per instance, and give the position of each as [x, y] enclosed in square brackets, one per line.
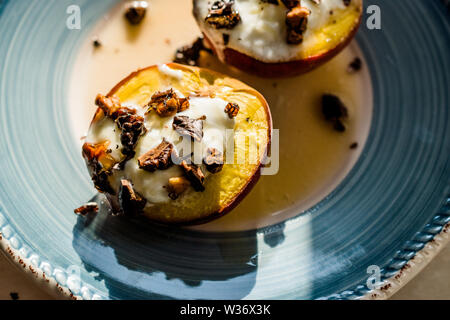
[141, 260]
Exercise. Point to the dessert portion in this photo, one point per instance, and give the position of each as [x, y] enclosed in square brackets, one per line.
[177, 144]
[277, 38]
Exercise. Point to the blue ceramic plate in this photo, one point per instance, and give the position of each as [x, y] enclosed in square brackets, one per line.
[393, 203]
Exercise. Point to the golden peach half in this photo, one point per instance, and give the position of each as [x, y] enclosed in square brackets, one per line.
[320, 46]
[223, 190]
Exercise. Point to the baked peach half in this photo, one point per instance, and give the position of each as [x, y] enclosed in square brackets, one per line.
[277, 38]
[177, 144]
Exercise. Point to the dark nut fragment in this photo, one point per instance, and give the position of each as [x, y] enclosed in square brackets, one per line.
[100, 164]
[190, 54]
[109, 105]
[334, 111]
[131, 203]
[184, 104]
[275, 2]
[232, 109]
[296, 21]
[213, 160]
[167, 103]
[355, 65]
[347, 2]
[135, 12]
[159, 158]
[90, 207]
[189, 127]
[291, 3]
[176, 186]
[222, 16]
[132, 127]
[194, 174]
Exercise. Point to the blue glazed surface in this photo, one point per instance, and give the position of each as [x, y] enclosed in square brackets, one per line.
[394, 200]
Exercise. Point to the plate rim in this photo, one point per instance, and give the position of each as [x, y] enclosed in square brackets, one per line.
[428, 246]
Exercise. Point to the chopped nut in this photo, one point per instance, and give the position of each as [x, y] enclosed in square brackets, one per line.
[177, 186]
[355, 65]
[194, 174]
[159, 157]
[226, 38]
[334, 111]
[213, 160]
[191, 53]
[84, 210]
[109, 105]
[232, 109]
[96, 43]
[131, 203]
[184, 104]
[354, 145]
[100, 164]
[132, 127]
[222, 16]
[167, 103]
[291, 3]
[135, 12]
[347, 2]
[296, 21]
[275, 2]
[189, 127]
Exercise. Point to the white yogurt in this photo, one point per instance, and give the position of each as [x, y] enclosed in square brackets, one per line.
[262, 30]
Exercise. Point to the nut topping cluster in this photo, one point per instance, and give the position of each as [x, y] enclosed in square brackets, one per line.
[131, 125]
[296, 21]
[167, 103]
[164, 104]
[222, 15]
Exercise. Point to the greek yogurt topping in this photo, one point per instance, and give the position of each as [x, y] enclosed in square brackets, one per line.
[262, 30]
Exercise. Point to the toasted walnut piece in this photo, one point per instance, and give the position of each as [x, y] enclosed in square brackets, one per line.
[109, 105]
[296, 21]
[165, 103]
[186, 126]
[159, 158]
[90, 207]
[347, 2]
[334, 111]
[100, 164]
[135, 11]
[213, 160]
[222, 16]
[184, 104]
[232, 109]
[291, 3]
[190, 54]
[131, 203]
[194, 174]
[132, 127]
[176, 186]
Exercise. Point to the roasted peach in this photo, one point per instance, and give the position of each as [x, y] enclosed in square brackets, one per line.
[277, 38]
[177, 144]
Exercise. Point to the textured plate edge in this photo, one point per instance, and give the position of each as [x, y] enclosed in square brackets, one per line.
[387, 288]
